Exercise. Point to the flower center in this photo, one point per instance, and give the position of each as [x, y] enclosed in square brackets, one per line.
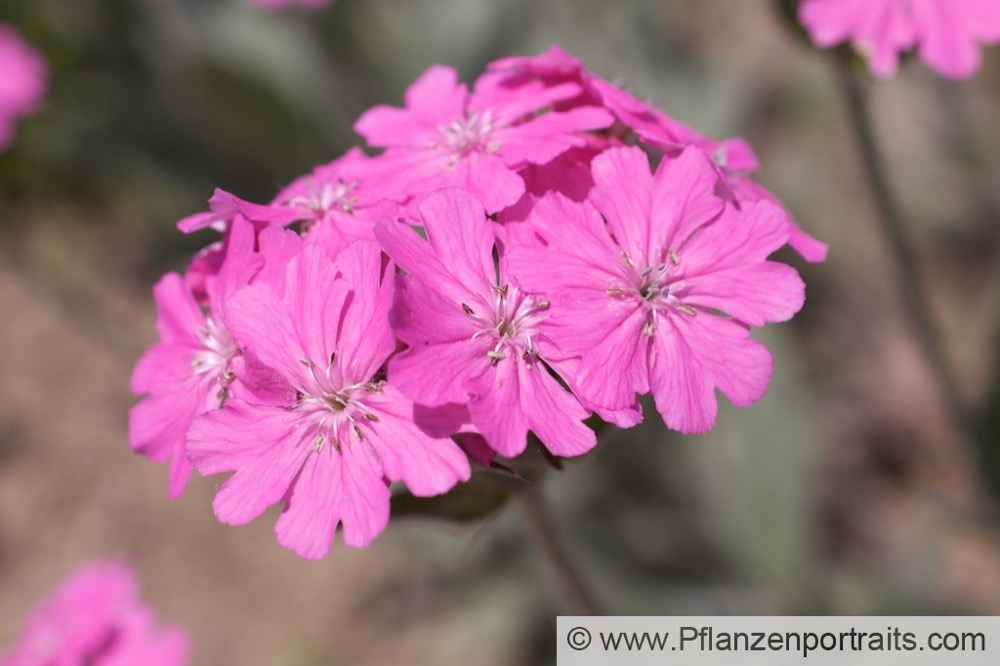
[329, 195]
[466, 135]
[511, 320]
[659, 288]
[334, 412]
[211, 362]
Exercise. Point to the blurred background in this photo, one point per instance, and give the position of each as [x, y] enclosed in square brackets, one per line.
[847, 490]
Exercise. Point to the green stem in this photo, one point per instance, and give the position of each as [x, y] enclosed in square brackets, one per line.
[536, 517]
[892, 224]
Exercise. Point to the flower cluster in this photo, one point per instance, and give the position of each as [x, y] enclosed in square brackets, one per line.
[22, 84]
[510, 262]
[96, 617]
[946, 33]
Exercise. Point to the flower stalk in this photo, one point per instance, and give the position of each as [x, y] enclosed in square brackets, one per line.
[894, 229]
[541, 530]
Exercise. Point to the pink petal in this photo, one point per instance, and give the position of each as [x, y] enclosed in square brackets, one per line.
[587, 255]
[830, 22]
[427, 465]
[458, 261]
[223, 207]
[738, 237]
[241, 263]
[487, 177]
[421, 317]
[364, 339]
[162, 366]
[612, 350]
[753, 294]
[694, 356]
[315, 300]
[497, 413]
[263, 445]
[812, 250]
[436, 97]
[683, 200]
[180, 473]
[178, 315]
[157, 425]
[510, 104]
[277, 247]
[332, 488]
[441, 373]
[549, 135]
[553, 413]
[946, 45]
[623, 191]
[261, 323]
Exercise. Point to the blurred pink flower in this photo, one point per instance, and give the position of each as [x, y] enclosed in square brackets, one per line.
[945, 33]
[95, 617]
[23, 80]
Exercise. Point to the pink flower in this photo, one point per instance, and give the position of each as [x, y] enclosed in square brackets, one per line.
[660, 298]
[475, 337]
[448, 137]
[338, 202]
[946, 33]
[319, 429]
[734, 159]
[96, 617]
[223, 207]
[194, 366]
[22, 84]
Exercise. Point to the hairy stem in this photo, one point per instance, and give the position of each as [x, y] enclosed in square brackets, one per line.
[536, 517]
[892, 224]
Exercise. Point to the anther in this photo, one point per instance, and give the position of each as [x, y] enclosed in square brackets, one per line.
[646, 271]
[374, 387]
[495, 357]
[502, 290]
[358, 433]
[647, 329]
[467, 309]
[674, 259]
[614, 291]
[333, 358]
[542, 305]
[688, 310]
[306, 362]
[661, 267]
[370, 417]
[626, 259]
[318, 446]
